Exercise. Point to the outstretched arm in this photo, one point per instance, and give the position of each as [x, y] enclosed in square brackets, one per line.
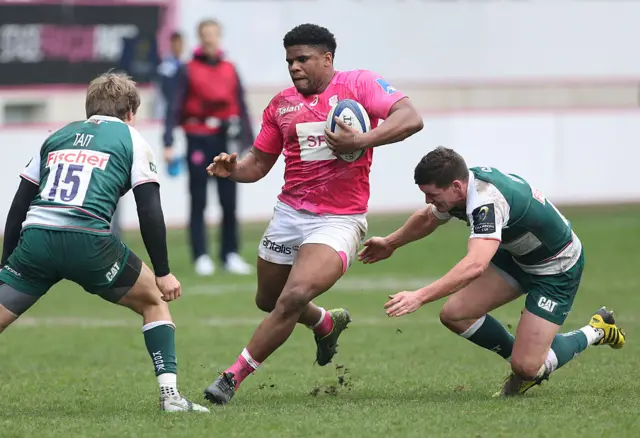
[464, 272]
[479, 255]
[254, 166]
[421, 223]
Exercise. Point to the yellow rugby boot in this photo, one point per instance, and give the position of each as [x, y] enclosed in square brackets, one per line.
[613, 336]
[516, 385]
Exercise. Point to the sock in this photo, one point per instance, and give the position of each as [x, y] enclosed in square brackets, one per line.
[324, 325]
[487, 332]
[159, 337]
[168, 384]
[243, 367]
[566, 346]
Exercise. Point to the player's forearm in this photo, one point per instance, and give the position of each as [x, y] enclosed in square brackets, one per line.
[249, 169]
[17, 214]
[402, 123]
[152, 226]
[419, 225]
[463, 273]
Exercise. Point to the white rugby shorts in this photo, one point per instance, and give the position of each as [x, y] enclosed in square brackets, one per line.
[289, 229]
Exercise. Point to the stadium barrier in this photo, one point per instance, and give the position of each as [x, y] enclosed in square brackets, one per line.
[574, 157]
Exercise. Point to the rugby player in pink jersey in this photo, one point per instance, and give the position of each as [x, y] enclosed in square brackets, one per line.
[319, 219]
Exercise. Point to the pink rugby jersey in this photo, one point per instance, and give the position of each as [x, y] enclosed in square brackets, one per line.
[292, 124]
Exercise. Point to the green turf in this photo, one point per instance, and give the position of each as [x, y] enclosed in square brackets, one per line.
[64, 376]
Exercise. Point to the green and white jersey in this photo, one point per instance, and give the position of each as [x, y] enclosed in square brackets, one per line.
[504, 207]
[82, 170]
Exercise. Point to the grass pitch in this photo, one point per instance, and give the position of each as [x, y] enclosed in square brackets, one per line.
[76, 366]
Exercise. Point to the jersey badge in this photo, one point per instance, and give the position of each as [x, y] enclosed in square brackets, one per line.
[484, 219]
[385, 86]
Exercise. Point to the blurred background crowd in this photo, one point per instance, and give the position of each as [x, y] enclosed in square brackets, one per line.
[526, 84]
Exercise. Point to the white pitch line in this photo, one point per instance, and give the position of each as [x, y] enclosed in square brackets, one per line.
[351, 285]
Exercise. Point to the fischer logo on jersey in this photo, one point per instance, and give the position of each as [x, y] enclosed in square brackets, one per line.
[75, 156]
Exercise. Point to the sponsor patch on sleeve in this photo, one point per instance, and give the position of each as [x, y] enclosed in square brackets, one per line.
[386, 86]
[484, 219]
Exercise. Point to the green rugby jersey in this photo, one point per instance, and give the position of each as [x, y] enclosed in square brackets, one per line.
[505, 207]
[82, 170]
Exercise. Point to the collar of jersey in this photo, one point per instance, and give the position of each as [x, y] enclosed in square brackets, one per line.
[106, 118]
[470, 188]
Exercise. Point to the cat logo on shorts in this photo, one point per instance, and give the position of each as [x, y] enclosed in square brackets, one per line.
[547, 304]
[113, 272]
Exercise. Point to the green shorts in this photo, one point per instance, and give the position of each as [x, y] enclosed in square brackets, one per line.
[548, 296]
[43, 257]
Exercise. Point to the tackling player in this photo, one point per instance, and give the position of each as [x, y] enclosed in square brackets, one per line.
[520, 244]
[58, 225]
[319, 220]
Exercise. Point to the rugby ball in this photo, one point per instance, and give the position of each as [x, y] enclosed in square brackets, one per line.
[352, 114]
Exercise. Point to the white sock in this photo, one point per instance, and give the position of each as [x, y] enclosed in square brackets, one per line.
[322, 315]
[168, 384]
[155, 324]
[250, 360]
[593, 334]
[551, 362]
[473, 327]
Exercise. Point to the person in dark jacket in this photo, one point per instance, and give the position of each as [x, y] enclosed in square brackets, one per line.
[168, 69]
[209, 105]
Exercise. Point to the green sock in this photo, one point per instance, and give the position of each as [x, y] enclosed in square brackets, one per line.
[566, 346]
[487, 332]
[160, 339]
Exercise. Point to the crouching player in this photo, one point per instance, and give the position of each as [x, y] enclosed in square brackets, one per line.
[520, 244]
[58, 225]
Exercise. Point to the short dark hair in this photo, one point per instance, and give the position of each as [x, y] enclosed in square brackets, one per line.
[311, 35]
[175, 35]
[441, 167]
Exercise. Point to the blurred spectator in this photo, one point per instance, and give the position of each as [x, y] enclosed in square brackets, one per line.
[209, 105]
[168, 71]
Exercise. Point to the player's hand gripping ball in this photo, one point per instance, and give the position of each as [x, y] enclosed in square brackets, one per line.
[346, 123]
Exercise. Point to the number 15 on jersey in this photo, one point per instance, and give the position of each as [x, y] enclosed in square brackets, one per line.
[70, 175]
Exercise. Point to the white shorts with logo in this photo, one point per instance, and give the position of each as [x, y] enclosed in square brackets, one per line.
[289, 229]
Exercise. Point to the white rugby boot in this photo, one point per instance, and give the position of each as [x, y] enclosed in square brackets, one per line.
[177, 403]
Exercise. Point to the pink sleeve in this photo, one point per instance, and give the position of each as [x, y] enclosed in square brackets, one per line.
[269, 138]
[376, 95]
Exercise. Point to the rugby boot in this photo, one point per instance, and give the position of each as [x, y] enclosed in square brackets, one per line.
[613, 336]
[178, 403]
[516, 385]
[327, 345]
[222, 390]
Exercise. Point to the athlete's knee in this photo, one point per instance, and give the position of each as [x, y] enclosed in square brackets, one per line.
[454, 321]
[7, 317]
[455, 310]
[294, 299]
[527, 368]
[452, 312]
[13, 303]
[265, 302]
